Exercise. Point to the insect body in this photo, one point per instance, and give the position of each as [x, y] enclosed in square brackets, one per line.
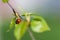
[18, 21]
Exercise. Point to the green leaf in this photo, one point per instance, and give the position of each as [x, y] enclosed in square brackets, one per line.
[5, 1]
[20, 29]
[39, 25]
[12, 23]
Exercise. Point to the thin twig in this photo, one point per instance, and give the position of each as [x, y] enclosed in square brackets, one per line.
[30, 33]
[29, 21]
[12, 8]
[15, 13]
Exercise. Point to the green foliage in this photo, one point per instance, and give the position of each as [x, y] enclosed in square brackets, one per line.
[20, 29]
[38, 24]
[5, 1]
[12, 23]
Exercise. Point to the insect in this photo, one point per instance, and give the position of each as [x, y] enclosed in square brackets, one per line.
[18, 21]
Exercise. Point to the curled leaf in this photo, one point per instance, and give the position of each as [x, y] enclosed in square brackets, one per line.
[20, 29]
[39, 25]
[5, 1]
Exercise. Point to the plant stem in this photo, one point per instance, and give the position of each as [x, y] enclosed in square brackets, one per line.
[29, 21]
[15, 13]
[12, 8]
[30, 33]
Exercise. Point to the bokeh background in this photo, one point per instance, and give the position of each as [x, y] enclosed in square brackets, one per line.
[48, 9]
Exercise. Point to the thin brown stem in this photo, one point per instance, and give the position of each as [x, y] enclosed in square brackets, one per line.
[15, 13]
[28, 20]
[30, 33]
[12, 8]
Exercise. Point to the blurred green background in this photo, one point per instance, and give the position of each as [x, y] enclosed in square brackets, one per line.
[49, 10]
